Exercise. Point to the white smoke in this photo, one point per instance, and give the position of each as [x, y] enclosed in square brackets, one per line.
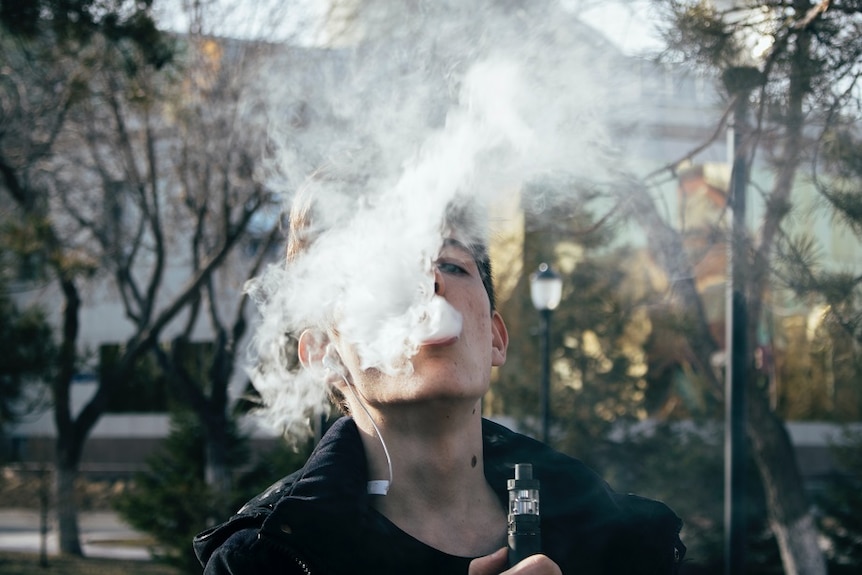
[455, 109]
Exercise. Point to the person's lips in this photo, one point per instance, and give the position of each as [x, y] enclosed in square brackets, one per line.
[439, 324]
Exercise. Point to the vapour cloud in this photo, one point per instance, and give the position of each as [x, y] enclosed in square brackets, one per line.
[437, 106]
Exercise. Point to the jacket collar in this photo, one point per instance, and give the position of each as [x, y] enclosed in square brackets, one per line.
[333, 480]
[328, 495]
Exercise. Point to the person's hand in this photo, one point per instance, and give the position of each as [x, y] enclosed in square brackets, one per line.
[496, 563]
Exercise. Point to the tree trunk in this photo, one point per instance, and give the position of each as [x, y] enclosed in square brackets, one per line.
[790, 517]
[787, 502]
[217, 472]
[69, 443]
[67, 507]
[217, 422]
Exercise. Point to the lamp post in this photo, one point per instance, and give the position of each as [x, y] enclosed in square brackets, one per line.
[739, 81]
[546, 289]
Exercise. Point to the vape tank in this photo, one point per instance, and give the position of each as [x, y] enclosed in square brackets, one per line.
[524, 532]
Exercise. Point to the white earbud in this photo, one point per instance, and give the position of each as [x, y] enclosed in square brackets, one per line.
[332, 362]
[378, 487]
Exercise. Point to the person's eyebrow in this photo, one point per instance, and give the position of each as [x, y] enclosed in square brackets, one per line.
[453, 243]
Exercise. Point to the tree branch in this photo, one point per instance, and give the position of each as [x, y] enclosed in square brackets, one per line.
[155, 223]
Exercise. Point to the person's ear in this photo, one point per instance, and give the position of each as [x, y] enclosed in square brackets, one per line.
[311, 348]
[317, 352]
[499, 339]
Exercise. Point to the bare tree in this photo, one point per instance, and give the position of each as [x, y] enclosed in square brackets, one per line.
[124, 196]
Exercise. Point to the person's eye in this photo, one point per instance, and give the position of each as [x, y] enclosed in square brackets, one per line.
[451, 268]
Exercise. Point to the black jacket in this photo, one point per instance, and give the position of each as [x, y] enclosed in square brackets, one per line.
[319, 520]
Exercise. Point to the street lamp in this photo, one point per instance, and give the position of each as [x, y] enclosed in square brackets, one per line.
[546, 289]
[739, 81]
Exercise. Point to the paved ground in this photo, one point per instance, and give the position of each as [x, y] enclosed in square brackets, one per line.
[103, 534]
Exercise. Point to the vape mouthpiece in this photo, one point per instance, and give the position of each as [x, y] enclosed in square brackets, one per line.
[525, 537]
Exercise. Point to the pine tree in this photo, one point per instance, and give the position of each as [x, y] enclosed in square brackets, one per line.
[171, 500]
[840, 502]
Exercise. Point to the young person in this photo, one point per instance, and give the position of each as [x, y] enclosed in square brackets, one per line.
[413, 480]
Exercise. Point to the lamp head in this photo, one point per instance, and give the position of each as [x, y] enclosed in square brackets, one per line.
[546, 288]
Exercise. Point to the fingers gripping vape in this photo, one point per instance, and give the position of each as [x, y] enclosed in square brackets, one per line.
[525, 537]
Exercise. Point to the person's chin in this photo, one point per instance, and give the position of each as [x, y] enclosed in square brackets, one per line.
[443, 389]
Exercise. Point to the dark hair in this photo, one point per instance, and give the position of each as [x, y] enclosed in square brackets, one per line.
[483, 262]
[464, 216]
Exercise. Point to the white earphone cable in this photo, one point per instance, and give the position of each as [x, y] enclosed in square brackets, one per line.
[375, 487]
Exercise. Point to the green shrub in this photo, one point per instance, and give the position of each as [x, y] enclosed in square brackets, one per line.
[171, 500]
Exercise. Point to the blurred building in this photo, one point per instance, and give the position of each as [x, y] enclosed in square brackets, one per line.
[682, 114]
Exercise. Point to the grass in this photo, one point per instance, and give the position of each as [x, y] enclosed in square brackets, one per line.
[28, 564]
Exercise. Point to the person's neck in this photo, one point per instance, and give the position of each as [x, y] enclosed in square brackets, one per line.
[439, 493]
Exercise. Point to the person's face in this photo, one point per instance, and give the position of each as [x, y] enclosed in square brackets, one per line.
[456, 369]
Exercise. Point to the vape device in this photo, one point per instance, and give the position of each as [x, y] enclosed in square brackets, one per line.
[525, 536]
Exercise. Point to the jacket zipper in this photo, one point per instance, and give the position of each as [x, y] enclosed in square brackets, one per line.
[289, 551]
[301, 563]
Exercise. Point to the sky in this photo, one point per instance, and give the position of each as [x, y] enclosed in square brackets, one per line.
[629, 24]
